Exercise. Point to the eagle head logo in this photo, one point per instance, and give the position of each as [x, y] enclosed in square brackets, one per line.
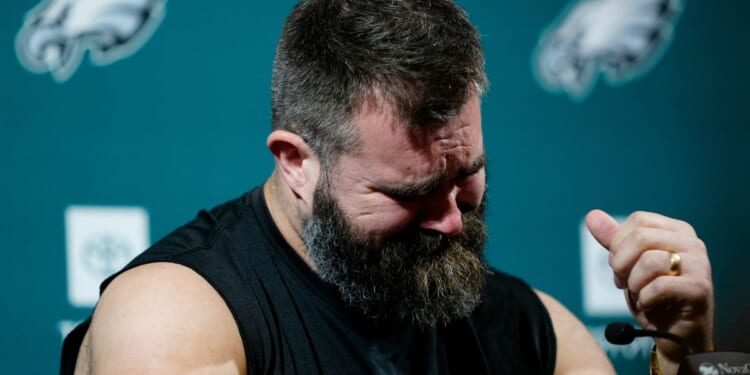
[620, 39]
[56, 34]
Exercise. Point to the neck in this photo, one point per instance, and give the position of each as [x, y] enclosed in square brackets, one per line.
[286, 215]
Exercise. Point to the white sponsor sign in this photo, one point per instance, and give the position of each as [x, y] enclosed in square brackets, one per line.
[100, 241]
[600, 296]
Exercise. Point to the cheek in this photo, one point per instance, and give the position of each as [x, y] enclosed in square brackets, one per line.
[371, 211]
[380, 215]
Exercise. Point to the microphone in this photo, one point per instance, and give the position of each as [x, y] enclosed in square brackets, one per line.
[621, 333]
[694, 363]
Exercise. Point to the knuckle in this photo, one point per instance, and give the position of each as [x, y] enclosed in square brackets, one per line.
[658, 286]
[667, 290]
[651, 259]
[685, 226]
[699, 245]
[704, 286]
[638, 217]
[640, 235]
[616, 268]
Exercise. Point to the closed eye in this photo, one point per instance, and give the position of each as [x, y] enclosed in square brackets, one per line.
[411, 192]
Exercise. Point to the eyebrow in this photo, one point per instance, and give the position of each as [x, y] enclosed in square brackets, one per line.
[422, 188]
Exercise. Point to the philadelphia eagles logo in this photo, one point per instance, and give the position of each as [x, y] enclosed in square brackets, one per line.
[619, 39]
[56, 34]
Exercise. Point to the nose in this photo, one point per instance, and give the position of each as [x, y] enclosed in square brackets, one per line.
[442, 214]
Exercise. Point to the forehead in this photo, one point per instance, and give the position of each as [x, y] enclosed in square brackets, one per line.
[393, 152]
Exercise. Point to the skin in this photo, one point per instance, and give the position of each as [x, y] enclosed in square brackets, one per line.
[425, 177]
[640, 258]
[161, 318]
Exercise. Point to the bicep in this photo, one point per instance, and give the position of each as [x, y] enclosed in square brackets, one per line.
[162, 318]
[577, 351]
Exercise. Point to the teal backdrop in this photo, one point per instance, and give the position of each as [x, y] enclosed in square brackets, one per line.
[181, 125]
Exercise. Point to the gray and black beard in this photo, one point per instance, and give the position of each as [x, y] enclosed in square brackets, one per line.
[418, 276]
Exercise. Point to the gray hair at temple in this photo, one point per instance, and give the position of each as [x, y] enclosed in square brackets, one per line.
[424, 57]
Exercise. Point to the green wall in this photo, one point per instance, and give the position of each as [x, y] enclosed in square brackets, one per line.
[181, 125]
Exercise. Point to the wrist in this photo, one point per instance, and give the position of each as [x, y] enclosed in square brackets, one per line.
[660, 364]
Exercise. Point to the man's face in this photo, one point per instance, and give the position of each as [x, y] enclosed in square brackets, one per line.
[399, 226]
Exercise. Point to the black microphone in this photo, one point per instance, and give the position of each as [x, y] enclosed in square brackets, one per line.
[693, 363]
[620, 333]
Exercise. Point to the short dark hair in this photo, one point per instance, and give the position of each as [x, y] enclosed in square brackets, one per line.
[424, 57]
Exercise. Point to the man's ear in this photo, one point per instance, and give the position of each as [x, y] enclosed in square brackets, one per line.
[296, 162]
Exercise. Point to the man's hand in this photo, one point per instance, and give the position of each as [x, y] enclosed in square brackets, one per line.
[640, 252]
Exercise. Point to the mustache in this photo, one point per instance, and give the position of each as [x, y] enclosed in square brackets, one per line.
[423, 241]
[420, 242]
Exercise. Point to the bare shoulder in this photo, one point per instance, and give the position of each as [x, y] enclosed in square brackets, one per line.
[161, 318]
[577, 351]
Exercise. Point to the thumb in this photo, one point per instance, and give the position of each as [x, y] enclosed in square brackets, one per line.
[602, 227]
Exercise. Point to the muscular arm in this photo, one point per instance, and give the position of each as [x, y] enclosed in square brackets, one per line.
[577, 351]
[161, 318]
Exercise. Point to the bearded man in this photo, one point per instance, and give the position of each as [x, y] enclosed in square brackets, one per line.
[363, 252]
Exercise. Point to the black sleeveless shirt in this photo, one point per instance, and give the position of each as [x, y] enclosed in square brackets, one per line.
[292, 322]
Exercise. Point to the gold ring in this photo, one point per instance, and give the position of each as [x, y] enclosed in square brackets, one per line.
[675, 264]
